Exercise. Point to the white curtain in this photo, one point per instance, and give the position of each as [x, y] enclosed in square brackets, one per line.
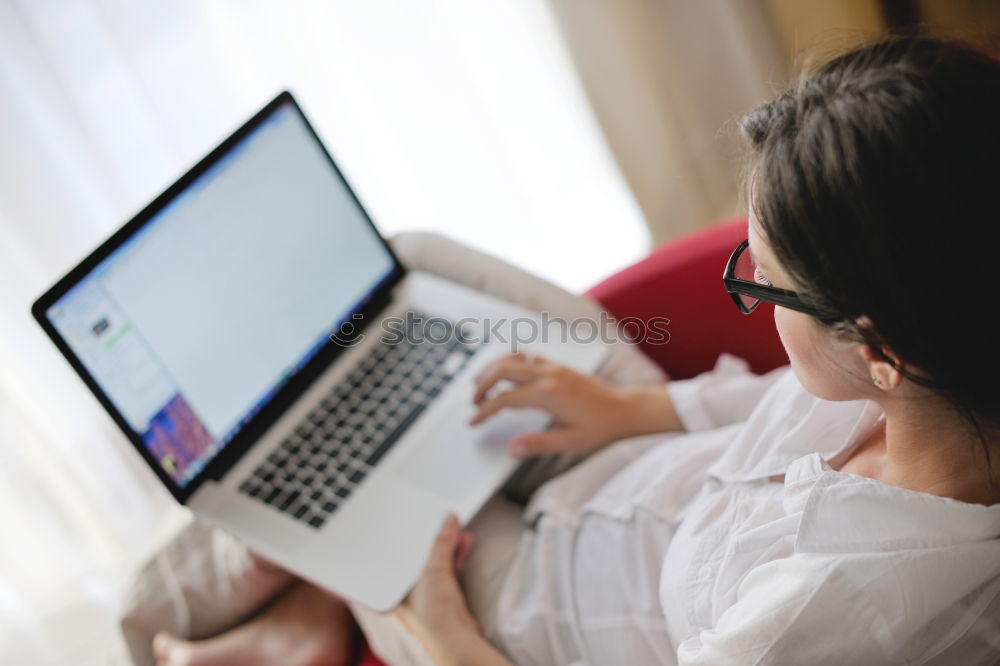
[667, 80]
[455, 115]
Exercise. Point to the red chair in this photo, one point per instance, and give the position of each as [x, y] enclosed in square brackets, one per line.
[682, 281]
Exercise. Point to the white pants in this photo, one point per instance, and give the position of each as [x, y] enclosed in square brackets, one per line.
[204, 581]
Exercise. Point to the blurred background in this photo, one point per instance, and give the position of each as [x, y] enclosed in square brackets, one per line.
[566, 136]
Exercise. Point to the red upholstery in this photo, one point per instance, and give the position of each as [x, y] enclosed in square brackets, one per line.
[682, 280]
[369, 659]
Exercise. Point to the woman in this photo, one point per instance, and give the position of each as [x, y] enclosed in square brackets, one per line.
[845, 510]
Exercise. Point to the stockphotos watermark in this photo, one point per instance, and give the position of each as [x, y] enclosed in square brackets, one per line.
[516, 332]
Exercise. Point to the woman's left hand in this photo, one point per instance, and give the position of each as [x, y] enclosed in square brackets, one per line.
[435, 610]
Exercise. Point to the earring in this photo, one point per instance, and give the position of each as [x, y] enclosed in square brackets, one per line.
[877, 381]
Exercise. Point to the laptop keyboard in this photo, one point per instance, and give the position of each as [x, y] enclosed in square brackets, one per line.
[316, 468]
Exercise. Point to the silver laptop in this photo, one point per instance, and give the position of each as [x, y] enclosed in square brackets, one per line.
[283, 375]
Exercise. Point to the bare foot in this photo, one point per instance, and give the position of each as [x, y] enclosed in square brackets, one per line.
[303, 627]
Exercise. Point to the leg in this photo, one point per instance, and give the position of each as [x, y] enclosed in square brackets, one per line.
[200, 583]
[304, 626]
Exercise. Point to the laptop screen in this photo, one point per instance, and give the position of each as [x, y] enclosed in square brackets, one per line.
[193, 323]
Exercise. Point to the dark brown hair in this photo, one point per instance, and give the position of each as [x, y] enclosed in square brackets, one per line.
[875, 181]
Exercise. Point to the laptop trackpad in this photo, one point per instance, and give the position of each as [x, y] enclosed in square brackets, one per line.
[457, 459]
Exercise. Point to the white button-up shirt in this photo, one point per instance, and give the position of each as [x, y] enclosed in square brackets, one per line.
[692, 549]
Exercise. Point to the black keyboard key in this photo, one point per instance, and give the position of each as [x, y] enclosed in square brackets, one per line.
[289, 499]
[393, 436]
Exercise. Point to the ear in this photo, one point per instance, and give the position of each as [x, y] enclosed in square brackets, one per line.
[884, 373]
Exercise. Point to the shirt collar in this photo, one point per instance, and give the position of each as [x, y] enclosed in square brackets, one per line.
[848, 513]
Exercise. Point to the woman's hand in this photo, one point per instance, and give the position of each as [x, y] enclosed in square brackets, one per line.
[435, 610]
[586, 412]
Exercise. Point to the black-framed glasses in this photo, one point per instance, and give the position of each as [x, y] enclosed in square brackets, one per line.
[745, 286]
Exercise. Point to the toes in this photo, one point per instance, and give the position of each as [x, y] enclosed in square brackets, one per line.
[166, 649]
[161, 646]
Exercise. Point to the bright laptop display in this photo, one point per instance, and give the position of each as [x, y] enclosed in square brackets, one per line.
[193, 324]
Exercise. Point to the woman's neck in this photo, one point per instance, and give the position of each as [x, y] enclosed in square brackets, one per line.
[934, 451]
